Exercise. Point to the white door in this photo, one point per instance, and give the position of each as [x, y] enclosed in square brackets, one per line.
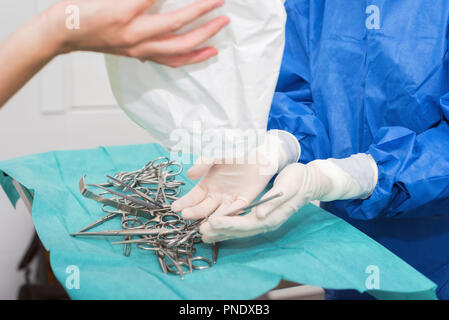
[67, 106]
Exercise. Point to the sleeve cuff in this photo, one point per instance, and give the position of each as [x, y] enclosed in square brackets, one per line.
[363, 169]
[291, 149]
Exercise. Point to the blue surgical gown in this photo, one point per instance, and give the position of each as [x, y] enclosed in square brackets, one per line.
[372, 77]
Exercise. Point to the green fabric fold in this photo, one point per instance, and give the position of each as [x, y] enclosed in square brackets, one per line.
[314, 247]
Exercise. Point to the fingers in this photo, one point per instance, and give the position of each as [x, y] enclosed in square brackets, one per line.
[211, 234]
[140, 5]
[241, 224]
[192, 198]
[149, 25]
[219, 228]
[227, 207]
[200, 168]
[201, 210]
[215, 237]
[265, 209]
[130, 8]
[176, 61]
[173, 21]
[289, 183]
[178, 45]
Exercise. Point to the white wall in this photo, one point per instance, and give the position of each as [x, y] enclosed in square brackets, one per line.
[67, 106]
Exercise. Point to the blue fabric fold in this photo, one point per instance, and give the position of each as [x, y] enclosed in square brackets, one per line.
[348, 85]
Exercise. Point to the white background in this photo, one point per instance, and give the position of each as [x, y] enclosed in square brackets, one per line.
[67, 106]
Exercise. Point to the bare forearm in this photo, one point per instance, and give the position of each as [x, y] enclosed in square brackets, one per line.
[23, 54]
[110, 26]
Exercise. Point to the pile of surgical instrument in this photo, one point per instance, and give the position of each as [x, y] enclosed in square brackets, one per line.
[141, 199]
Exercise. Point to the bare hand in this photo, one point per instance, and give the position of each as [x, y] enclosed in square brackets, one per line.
[124, 27]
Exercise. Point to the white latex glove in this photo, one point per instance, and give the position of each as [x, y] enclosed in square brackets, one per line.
[323, 180]
[225, 187]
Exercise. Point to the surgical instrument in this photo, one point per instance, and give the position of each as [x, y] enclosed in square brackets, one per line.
[108, 201]
[129, 232]
[129, 198]
[253, 205]
[239, 211]
[143, 195]
[141, 200]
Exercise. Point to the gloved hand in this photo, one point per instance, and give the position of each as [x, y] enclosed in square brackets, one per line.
[227, 186]
[323, 180]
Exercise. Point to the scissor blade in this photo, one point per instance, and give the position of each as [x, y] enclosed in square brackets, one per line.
[143, 195]
[99, 221]
[112, 203]
[127, 197]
